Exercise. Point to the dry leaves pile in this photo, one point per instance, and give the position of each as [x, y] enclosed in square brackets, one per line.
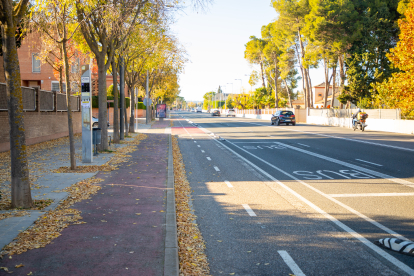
[191, 245]
[119, 157]
[35, 168]
[49, 225]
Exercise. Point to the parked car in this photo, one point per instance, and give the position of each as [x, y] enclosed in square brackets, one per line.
[231, 112]
[216, 113]
[199, 109]
[283, 117]
[95, 122]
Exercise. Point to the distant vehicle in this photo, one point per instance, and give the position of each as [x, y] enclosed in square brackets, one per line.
[231, 112]
[199, 109]
[283, 117]
[192, 109]
[95, 122]
[216, 113]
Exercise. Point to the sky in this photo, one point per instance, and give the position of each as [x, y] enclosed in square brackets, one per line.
[215, 42]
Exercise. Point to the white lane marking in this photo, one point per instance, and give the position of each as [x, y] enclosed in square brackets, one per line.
[202, 151]
[228, 184]
[359, 237]
[355, 167]
[291, 263]
[249, 210]
[253, 142]
[369, 162]
[195, 141]
[303, 145]
[184, 128]
[371, 194]
[216, 168]
[337, 137]
[198, 146]
[167, 130]
[208, 158]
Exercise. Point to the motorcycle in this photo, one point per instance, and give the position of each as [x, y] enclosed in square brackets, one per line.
[359, 121]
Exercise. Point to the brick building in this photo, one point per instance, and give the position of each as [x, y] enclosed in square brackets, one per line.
[35, 73]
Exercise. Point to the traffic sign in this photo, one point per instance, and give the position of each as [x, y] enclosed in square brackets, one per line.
[145, 101]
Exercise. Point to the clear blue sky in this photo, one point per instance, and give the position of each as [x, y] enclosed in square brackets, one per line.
[215, 43]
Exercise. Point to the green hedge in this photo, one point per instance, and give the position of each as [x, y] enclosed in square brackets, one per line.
[141, 105]
[95, 103]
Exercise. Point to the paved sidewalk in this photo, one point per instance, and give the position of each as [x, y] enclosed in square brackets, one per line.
[126, 221]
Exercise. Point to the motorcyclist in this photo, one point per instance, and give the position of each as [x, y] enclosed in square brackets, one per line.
[355, 116]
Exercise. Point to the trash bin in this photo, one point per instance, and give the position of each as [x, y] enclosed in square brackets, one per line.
[96, 136]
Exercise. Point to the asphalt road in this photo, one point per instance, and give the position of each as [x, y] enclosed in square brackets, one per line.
[302, 200]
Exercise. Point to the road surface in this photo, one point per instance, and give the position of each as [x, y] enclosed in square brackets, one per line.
[302, 200]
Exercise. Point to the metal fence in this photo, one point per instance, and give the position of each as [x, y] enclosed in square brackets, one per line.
[46, 100]
[261, 111]
[394, 114]
[29, 98]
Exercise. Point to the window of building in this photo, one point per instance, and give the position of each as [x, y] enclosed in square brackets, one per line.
[75, 66]
[35, 63]
[319, 95]
[55, 86]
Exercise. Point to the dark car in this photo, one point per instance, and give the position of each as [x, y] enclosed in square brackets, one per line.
[216, 113]
[283, 117]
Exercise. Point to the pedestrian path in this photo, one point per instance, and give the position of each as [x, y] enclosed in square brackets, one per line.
[125, 222]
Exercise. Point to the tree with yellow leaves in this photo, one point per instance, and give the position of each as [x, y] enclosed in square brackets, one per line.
[398, 90]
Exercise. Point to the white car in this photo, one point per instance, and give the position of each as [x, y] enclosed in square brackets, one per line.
[231, 112]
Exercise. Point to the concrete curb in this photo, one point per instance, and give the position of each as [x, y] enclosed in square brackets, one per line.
[171, 263]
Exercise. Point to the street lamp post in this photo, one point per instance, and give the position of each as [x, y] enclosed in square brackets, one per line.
[241, 86]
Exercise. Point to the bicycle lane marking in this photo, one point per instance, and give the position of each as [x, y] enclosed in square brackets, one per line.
[341, 225]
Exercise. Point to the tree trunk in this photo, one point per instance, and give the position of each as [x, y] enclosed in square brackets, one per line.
[341, 75]
[20, 184]
[126, 119]
[116, 103]
[276, 94]
[326, 71]
[60, 79]
[69, 108]
[302, 71]
[262, 72]
[334, 84]
[308, 90]
[103, 112]
[311, 92]
[132, 113]
[288, 92]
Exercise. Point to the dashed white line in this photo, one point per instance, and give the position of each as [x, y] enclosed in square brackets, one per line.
[249, 210]
[291, 263]
[228, 184]
[371, 194]
[199, 146]
[208, 158]
[369, 162]
[356, 235]
[216, 168]
[195, 141]
[303, 145]
[202, 151]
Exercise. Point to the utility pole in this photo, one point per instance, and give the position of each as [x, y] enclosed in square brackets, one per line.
[122, 96]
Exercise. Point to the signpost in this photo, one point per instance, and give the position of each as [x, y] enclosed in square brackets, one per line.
[86, 103]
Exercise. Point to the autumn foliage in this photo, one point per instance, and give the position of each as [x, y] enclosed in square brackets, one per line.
[398, 90]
